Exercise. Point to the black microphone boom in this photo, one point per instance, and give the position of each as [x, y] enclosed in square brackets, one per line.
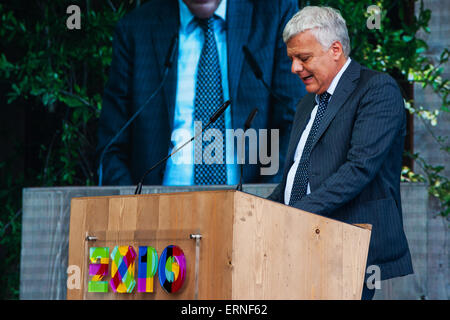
[247, 125]
[168, 64]
[218, 113]
[253, 64]
[213, 118]
[250, 118]
[171, 53]
[285, 101]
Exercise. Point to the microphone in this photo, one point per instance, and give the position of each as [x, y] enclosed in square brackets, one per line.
[167, 64]
[213, 118]
[250, 119]
[285, 101]
[253, 64]
[247, 125]
[172, 51]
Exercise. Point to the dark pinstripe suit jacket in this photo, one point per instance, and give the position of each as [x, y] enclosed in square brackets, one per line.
[355, 163]
[141, 43]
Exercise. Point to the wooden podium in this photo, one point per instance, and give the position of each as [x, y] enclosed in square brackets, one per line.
[250, 247]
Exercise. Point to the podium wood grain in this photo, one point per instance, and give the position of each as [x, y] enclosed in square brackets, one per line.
[251, 248]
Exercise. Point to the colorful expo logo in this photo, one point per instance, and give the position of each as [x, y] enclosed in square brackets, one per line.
[171, 269]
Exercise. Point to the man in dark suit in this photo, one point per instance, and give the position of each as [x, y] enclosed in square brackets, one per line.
[345, 151]
[141, 43]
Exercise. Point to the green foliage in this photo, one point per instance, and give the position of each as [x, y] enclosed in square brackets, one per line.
[438, 185]
[63, 72]
[10, 231]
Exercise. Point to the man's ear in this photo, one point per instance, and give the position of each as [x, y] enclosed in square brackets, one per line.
[337, 50]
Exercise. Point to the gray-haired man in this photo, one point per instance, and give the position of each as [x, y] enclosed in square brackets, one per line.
[345, 150]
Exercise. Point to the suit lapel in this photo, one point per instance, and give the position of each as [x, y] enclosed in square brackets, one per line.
[239, 15]
[344, 89]
[163, 33]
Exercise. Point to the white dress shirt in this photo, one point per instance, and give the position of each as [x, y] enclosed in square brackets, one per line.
[304, 137]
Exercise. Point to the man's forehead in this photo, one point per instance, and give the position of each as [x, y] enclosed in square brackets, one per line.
[299, 49]
[302, 37]
[304, 42]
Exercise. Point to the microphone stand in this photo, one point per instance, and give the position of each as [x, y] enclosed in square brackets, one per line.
[241, 165]
[247, 125]
[283, 100]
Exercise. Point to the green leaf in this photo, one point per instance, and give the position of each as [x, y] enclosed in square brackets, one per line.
[407, 38]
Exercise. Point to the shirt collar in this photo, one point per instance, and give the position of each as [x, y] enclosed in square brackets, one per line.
[336, 79]
[186, 16]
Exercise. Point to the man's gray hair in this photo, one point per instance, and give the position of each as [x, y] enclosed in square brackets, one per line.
[325, 23]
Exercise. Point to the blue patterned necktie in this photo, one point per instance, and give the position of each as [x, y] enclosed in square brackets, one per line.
[301, 179]
[208, 98]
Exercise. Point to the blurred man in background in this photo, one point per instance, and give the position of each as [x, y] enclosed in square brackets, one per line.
[209, 68]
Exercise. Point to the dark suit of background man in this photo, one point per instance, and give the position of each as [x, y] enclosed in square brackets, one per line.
[345, 151]
[141, 43]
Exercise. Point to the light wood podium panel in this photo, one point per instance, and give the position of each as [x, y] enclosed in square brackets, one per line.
[251, 248]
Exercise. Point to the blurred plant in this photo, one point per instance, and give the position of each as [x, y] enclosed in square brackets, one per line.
[64, 71]
[61, 72]
[10, 233]
[438, 185]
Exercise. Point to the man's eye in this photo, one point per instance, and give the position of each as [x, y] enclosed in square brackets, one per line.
[304, 59]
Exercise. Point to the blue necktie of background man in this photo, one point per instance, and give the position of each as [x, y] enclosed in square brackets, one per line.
[208, 98]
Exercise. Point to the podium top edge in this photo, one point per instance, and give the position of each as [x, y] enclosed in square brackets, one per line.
[157, 194]
[148, 187]
[363, 226]
[367, 227]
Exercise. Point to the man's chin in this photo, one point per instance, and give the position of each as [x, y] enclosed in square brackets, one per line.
[310, 85]
[202, 10]
[311, 88]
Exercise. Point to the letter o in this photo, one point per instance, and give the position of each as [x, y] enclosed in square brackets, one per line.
[172, 269]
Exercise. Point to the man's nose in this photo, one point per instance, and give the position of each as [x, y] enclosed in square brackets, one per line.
[297, 66]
